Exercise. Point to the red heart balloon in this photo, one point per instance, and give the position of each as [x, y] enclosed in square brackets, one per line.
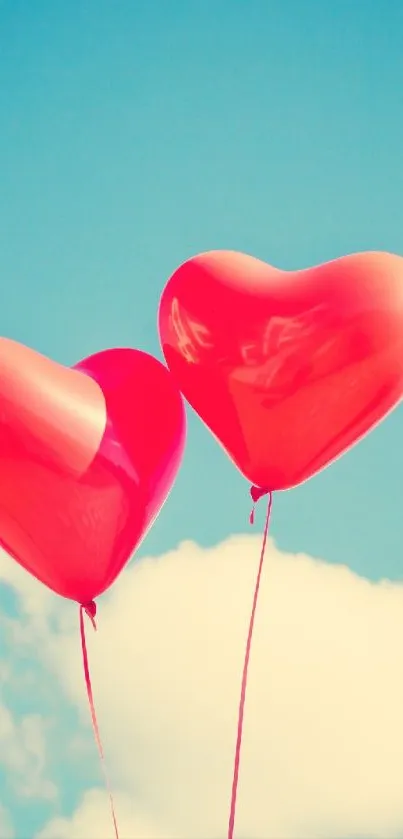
[88, 456]
[287, 368]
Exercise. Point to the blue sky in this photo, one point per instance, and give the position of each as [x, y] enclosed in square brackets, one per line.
[136, 134]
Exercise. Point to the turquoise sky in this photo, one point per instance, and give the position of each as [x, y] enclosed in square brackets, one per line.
[136, 134]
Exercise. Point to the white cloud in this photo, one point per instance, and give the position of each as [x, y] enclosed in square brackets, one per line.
[23, 754]
[93, 819]
[323, 737]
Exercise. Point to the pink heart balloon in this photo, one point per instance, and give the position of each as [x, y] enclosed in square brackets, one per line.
[88, 456]
[288, 369]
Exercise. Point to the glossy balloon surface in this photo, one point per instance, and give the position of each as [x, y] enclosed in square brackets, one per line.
[287, 369]
[87, 458]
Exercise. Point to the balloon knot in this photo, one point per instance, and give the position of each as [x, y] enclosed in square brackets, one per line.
[90, 610]
[256, 493]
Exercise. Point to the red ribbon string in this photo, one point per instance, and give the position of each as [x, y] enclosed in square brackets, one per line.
[256, 493]
[90, 609]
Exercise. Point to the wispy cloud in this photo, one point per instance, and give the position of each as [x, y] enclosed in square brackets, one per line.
[6, 826]
[23, 754]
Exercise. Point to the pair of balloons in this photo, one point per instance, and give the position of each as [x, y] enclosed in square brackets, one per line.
[287, 369]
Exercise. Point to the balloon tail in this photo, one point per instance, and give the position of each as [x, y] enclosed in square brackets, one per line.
[256, 493]
[90, 609]
[244, 683]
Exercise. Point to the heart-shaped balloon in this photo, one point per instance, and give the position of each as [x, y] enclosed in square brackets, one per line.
[287, 368]
[87, 458]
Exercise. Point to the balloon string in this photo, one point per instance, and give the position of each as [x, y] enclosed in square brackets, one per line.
[90, 609]
[238, 747]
